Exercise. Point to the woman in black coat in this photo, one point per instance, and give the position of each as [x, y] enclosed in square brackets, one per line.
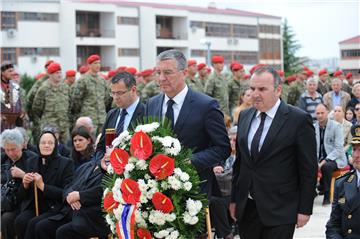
[50, 172]
[82, 146]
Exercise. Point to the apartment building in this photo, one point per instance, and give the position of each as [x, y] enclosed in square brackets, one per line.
[350, 56]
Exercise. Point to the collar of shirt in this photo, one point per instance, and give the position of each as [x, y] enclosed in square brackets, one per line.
[178, 99]
[130, 111]
[271, 112]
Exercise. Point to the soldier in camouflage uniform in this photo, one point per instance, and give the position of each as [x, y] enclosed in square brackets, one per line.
[191, 80]
[296, 89]
[91, 95]
[146, 76]
[202, 74]
[51, 102]
[151, 89]
[217, 86]
[324, 85]
[70, 77]
[286, 87]
[237, 84]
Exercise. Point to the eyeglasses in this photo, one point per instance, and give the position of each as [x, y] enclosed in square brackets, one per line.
[357, 108]
[47, 142]
[118, 93]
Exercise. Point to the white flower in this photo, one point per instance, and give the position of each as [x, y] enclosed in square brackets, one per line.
[129, 167]
[173, 235]
[161, 234]
[188, 219]
[157, 217]
[164, 185]
[109, 220]
[124, 136]
[184, 177]
[171, 145]
[174, 183]
[116, 191]
[147, 128]
[147, 176]
[193, 206]
[170, 217]
[151, 192]
[145, 214]
[177, 171]
[143, 197]
[110, 169]
[187, 186]
[141, 165]
[140, 220]
[152, 183]
[142, 185]
[118, 211]
[133, 160]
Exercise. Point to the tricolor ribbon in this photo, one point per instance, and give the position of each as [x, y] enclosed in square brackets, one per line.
[127, 222]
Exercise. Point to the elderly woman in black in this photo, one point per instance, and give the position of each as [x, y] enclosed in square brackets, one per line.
[49, 173]
[12, 172]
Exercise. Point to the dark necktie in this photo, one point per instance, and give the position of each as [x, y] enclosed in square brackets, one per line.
[257, 136]
[120, 126]
[170, 112]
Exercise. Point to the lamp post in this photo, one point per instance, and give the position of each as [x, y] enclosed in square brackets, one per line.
[207, 43]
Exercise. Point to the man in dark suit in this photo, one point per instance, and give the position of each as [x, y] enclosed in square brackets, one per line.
[345, 214]
[275, 170]
[196, 118]
[129, 108]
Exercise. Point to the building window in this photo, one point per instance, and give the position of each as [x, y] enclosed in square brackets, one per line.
[217, 30]
[198, 53]
[128, 20]
[270, 49]
[273, 29]
[244, 31]
[39, 51]
[8, 20]
[37, 16]
[350, 53]
[244, 57]
[128, 52]
[197, 24]
[8, 55]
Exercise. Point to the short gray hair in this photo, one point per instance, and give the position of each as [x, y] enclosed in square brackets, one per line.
[177, 55]
[11, 136]
[272, 71]
[23, 132]
[311, 80]
[335, 80]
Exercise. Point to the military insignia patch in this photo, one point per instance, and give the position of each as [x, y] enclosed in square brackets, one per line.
[341, 200]
[351, 178]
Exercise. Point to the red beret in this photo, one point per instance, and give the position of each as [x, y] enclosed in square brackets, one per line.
[48, 63]
[111, 73]
[200, 66]
[70, 73]
[309, 73]
[208, 70]
[83, 69]
[253, 69]
[191, 62]
[337, 73]
[291, 78]
[131, 70]
[146, 72]
[236, 66]
[217, 59]
[105, 77]
[281, 73]
[322, 72]
[93, 58]
[53, 67]
[247, 76]
[40, 75]
[121, 68]
[348, 75]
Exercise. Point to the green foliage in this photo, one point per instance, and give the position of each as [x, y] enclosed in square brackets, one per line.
[290, 47]
[178, 197]
[26, 82]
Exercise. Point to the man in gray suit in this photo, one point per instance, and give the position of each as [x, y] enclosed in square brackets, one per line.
[329, 145]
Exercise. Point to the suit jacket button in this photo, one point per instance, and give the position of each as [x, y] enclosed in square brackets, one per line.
[349, 231]
[349, 216]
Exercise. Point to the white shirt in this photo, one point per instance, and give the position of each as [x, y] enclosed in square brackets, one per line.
[179, 100]
[270, 114]
[130, 112]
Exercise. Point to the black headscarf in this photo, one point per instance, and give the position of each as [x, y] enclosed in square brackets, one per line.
[54, 153]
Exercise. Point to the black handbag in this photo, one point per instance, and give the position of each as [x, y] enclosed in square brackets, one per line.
[8, 197]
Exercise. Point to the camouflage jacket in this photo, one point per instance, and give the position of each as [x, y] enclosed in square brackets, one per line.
[217, 87]
[194, 84]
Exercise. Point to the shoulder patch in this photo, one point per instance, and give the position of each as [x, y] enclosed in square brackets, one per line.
[351, 178]
[350, 173]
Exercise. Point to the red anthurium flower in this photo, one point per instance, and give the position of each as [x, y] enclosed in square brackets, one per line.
[118, 159]
[161, 166]
[162, 203]
[109, 202]
[141, 146]
[130, 191]
[143, 233]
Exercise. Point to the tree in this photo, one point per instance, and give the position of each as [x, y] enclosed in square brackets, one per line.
[26, 82]
[290, 47]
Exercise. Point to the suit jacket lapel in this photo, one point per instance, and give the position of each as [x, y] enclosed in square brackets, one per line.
[276, 124]
[184, 112]
[136, 116]
[247, 125]
[351, 194]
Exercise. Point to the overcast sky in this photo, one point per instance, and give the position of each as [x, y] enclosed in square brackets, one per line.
[319, 25]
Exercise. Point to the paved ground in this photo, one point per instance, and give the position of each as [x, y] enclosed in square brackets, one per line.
[315, 229]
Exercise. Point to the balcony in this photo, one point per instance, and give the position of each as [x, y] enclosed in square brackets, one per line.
[95, 24]
[172, 28]
[96, 32]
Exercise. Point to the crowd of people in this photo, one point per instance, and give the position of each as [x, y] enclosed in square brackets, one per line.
[261, 141]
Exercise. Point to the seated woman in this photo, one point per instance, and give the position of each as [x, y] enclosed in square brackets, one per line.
[339, 116]
[83, 146]
[13, 163]
[245, 102]
[49, 174]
